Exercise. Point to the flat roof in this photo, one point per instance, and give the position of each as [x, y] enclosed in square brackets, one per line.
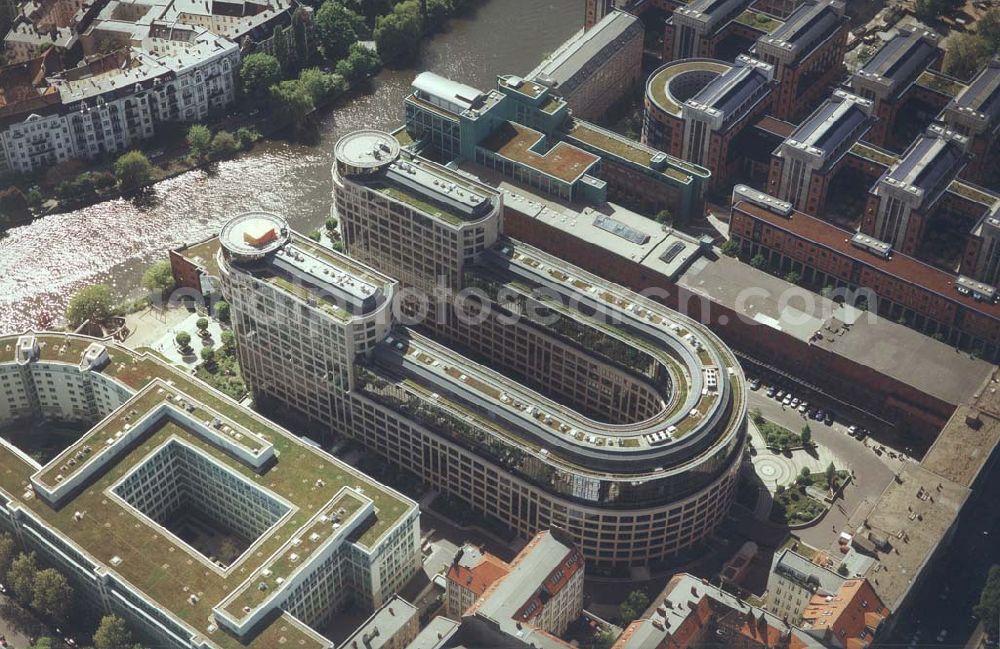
[902, 58]
[829, 126]
[111, 536]
[381, 628]
[888, 348]
[658, 85]
[982, 96]
[636, 152]
[563, 161]
[928, 165]
[728, 92]
[913, 514]
[812, 22]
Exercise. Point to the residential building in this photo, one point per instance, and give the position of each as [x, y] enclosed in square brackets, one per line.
[807, 52]
[705, 127]
[961, 312]
[471, 573]
[695, 29]
[393, 626]
[975, 113]
[290, 536]
[803, 166]
[794, 581]
[904, 197]
[316, 335]
[694, 613]
[890, 75]
[848, 618]
[598, 68]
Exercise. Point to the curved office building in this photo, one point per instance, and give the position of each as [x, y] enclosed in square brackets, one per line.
[538, 393]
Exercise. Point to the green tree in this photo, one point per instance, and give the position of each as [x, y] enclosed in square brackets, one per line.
[793, 277]
[199, 140]
[360, 64]
[965, 55]
[208, 356]
[336, 29]
[224, 145]
[988, 28]
[12, 201]
[133, 170]
[291, 102]
[320, 85]
[397, 35]
[258, 73]
[112, 634]
[759, 261]
[988, 608]
[370, 9]
[807, 435]
[301, 37]
[282, 51]
[202, 324]
[228, 341]
[633, 606]
[90, 303]
[246, 136]
[183, 339]
[21, 576]
[43, 643]
[53, 596]
[831, 476]
[438, 12]
[222, 310]
[159, 278]
[730, 248]
[8, 550]
[664, 217]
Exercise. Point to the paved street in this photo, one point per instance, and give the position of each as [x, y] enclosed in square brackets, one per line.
[872, 473]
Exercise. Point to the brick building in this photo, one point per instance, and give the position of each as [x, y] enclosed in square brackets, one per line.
[975, 113]
[807, 52]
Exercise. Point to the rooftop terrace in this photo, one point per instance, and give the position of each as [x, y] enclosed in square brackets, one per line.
[154, 563]
[523, 145]
[617, 145]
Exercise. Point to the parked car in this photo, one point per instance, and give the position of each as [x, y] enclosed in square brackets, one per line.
[771, 391]
[795, 402]
[803, 407]
[828, 419]
[852, 430]
[754, 384]
[787, 400]
[780, 395]
[811, 413]
[861, 434]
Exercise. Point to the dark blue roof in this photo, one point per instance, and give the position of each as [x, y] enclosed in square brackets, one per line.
[835, 128]
[808, 25]
[983, 94]
[927, 169]
[728, 91]
[903, 58]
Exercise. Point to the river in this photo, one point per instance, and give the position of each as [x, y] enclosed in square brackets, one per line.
[43, 263]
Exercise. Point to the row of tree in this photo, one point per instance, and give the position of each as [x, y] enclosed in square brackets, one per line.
[206, 146]
[44, 590]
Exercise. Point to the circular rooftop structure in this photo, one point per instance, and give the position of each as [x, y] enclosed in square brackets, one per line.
[366, 151]
[674, 83]
[254, 235]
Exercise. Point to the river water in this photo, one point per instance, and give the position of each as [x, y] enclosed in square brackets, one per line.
[42, 263]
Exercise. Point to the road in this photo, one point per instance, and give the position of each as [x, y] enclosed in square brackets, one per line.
[872, 473]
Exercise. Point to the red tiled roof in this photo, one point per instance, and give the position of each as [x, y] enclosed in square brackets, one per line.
[480, 577]
[852, 615]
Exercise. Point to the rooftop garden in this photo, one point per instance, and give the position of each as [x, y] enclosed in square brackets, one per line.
[940, 83]
[759, 20]
[873, 154]
[415, 201]
[973, 194]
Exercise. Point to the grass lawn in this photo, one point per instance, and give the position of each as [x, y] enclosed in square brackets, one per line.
[793, 506]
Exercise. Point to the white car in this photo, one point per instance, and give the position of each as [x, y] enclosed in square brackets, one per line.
[787, 400]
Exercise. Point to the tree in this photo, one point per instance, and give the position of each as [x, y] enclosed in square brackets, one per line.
[8, 549]
[282, 51]
[53, 595]
[988, 608]
[301, 28]
[208, 356]
[222, 310]
[258, 73]
[730, 248]
[793, 277]
[397, 35]
[759, 261]
[112, 634]
[43, 643]
[12, 199]
[228, 340]
[159, 278]
[246, 136]
[757, 417]
[807, 435]
[183, 339]
[291, 102]
[199, 139]
[21, 576]
[336, 29]
[664, 217]
[988, 28]
[360, 64]
[633, 606]
[438, 12]
[320, 85]
[133, 170]
[202, 324]
[90, 303]
[224, 144]
[966, 54]
[831, 476]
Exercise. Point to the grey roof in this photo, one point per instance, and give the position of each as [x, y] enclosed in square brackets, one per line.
[729, 91]
[983, 94]
[446, 89]
[573, 64]
[436, 634]
[793, 565]
[381, 628]
[902, 58]
[808, 25]
[713, 13]
[839, 120]
[929, 164]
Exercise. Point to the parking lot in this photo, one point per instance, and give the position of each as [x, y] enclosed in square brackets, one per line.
[872, 464]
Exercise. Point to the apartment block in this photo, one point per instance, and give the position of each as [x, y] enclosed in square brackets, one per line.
[975, 113]
[807, 52]
[890, 76]
[803, 166]
[288, 534]
[598, 68]
[793, 583]
[695, 29]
